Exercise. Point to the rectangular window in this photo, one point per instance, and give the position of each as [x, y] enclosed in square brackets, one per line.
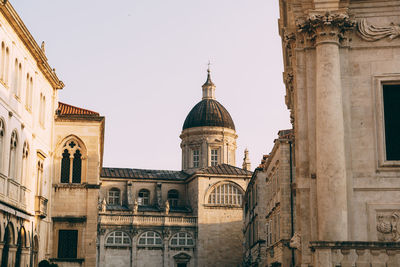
[391, 104]
[214, 157]
[67, 244]
[196, 158]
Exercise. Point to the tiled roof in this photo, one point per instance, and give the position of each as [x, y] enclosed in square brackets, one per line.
[65, 109]
[143, 174]
[224, 169]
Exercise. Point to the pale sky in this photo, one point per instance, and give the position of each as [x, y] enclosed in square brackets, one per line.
[141, 64]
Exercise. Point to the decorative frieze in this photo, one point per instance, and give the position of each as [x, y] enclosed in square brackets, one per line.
[388, 226]
[373, 33]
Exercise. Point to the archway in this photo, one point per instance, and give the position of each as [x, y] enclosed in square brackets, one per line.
[35, 250]
[21, 243]
[8, 240]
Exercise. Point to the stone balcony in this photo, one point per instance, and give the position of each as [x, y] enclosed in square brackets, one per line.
[147, 220]
[360, 254]
[41, 206]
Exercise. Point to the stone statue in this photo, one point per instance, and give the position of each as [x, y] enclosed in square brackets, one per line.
[167, 207]
[295, 241]
[104, 205]
[135, 206]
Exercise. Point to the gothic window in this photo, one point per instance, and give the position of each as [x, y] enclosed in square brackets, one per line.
[77, 167]
[182, 239]
[144, 197]
[12, 171]
[118, 238]
[225, 194]
[2, 132]
[214, 157]
[114, 196]
[67, 244]
[71, 163]
[173, 197]
[196, 158]
[25, 157]
[39, 180]
[150, 238]
[391, 99]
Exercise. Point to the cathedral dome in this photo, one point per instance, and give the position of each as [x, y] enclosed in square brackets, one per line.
[208, 112]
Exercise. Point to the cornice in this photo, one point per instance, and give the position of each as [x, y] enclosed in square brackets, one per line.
[22, 31]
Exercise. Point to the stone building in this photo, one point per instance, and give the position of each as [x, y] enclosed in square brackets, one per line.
[182, 218]
[58, 203]
[343, 82]
[28, 97]
[269, 207]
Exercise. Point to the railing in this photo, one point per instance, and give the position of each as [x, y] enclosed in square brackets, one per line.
[147, 220]
[41, 206]
[360, 254]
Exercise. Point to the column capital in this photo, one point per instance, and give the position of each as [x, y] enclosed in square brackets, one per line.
[325, 27]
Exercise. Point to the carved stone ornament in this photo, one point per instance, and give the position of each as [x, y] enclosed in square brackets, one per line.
[326, 25]
[295, 241]
[289, 38]
[373, 33]
[388, 227]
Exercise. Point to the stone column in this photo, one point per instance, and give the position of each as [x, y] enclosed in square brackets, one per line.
[326, 29]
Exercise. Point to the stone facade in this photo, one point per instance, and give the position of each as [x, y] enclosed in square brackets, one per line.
[340, 61]
[269, 207]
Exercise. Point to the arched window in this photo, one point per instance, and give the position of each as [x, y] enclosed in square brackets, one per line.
[71, 170]
[77, 167]
[2, 132]
[28, 93]
[42, 110]
[12, 171]
[3, 60]
[182, 239]
[225, 194]
[114, 196]
[173, 197]
[150, 238]
[144, 197]
[15, 80]
[19, 81]
[118, 238]
[25, 157]
[6, 65]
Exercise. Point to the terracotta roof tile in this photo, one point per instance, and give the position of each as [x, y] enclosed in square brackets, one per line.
[65, 109]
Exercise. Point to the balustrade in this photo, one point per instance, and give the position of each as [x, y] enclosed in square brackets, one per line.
[360, 254]
[118, 219]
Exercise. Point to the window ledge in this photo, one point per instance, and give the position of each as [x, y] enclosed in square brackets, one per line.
[80, 260]
[117, 246]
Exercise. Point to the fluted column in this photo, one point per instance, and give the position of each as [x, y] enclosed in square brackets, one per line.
[326, 29]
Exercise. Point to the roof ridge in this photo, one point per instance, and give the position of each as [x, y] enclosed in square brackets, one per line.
[63, 106]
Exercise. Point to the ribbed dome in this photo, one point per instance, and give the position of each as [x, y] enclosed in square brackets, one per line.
[208, 112]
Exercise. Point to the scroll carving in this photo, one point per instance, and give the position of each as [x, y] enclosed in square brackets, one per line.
[373, 33]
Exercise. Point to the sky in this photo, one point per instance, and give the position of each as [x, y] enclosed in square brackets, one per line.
[141, 64]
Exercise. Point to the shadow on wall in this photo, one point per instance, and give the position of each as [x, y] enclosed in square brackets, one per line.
[220, 244]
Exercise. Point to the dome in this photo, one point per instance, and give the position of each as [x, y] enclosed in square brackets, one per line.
[208, 112]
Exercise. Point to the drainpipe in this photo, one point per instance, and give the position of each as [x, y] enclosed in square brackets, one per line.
[291, 197]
